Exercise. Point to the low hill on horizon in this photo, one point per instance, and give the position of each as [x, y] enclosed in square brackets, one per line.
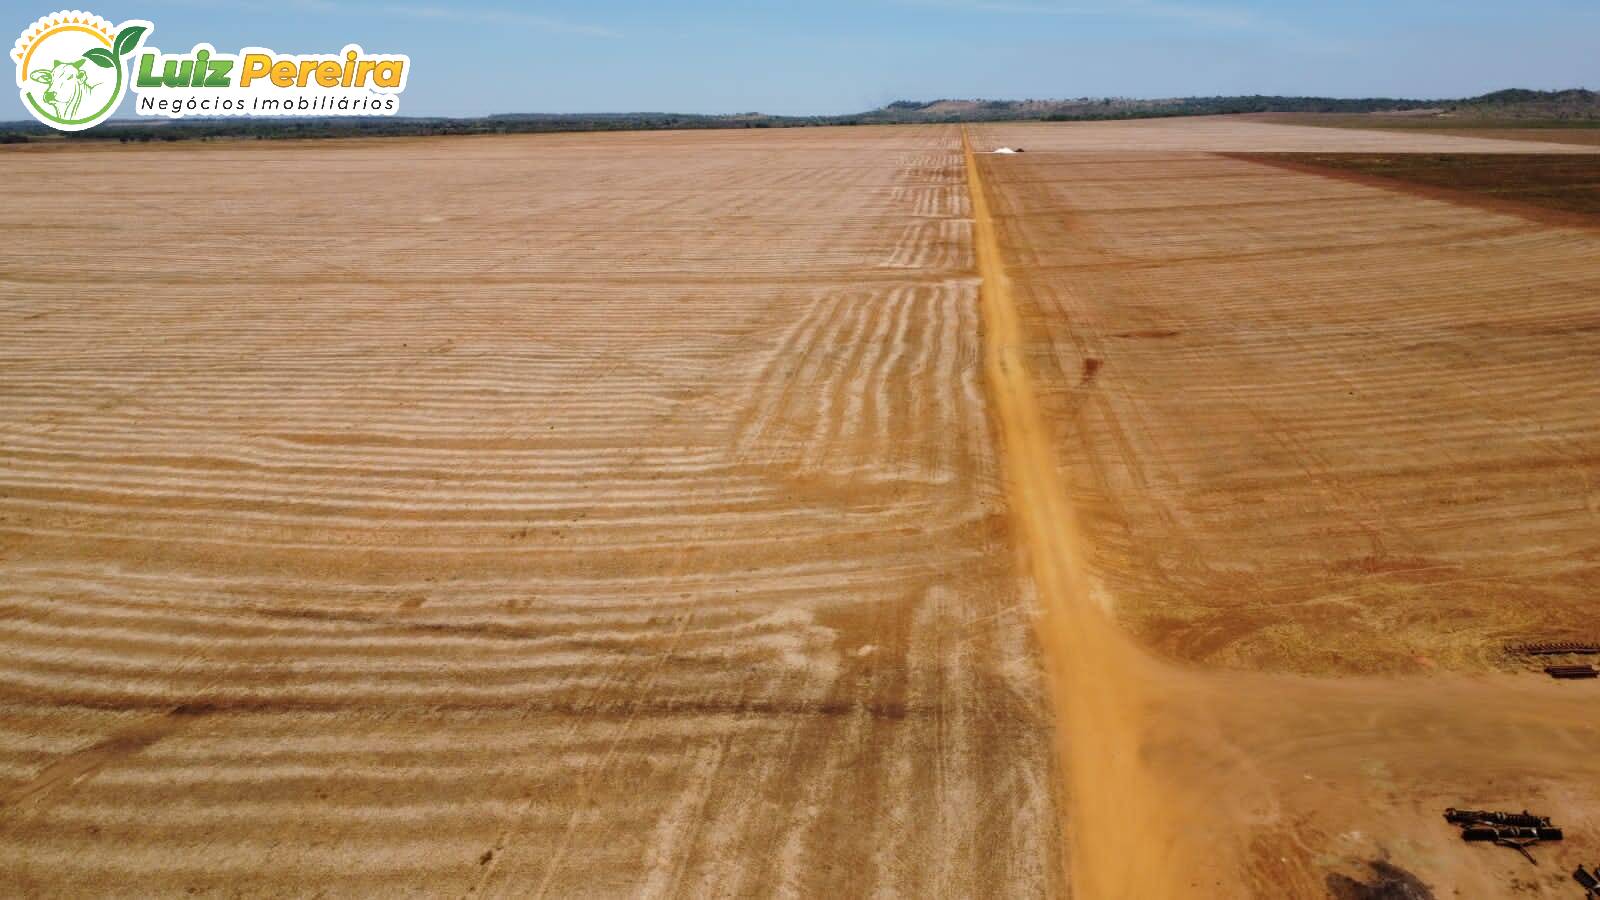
[1515, 103]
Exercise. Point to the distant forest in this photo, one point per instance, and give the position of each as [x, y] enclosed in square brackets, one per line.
[1578, 107]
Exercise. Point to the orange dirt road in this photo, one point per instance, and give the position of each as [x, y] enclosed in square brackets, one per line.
[1128, 844]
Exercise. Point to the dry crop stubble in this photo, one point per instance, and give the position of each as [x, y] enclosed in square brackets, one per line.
[1310, 426]
[622, 514]
[596, 515]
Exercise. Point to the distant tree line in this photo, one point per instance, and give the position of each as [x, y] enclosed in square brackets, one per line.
[1570, 105]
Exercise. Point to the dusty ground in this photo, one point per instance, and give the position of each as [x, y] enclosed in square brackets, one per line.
[673, 515]
[1583, 132]
[1309, 426]
[1244, 134]
[1304, 409]
[603, 515]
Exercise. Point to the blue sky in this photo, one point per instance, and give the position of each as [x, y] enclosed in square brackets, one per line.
[824, 56]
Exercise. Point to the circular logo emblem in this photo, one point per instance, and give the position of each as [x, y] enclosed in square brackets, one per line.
[72, 67]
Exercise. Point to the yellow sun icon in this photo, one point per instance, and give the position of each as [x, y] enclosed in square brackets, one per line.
[61, 23]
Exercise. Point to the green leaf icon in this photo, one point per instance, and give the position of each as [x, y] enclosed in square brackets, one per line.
[100, 56]
[127, 39]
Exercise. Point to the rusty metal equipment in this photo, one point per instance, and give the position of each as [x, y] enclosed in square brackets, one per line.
[1583, 671]
[1519, 831]
[1556, 648]
[1591, 884]
[1509, 833]
[1523, 819]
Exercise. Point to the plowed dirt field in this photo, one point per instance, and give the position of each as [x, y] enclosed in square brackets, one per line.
[732, 513]
[1329, 449]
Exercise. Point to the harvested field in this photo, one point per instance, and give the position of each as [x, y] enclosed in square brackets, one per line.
[1585, 132]
[1242, 134]
[575, 515]
[1313, 428]
[1588, 136]
[1303, 408]
[746, 512]
[1535, 184]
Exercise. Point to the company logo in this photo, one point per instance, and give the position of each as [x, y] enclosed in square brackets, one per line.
[73, 69]
[70, 67]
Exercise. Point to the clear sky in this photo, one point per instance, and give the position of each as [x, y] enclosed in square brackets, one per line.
[831, 56]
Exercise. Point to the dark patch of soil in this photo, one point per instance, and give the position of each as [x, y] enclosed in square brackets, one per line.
[1554, 187]
[1091, 368]
[1388, 882]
